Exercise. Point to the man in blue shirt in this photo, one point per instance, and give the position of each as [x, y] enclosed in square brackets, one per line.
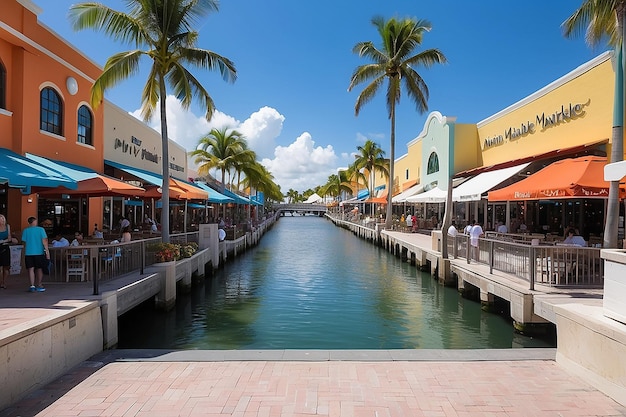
[36, 253]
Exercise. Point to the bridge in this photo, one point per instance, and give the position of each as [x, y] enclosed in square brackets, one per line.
[301, 208]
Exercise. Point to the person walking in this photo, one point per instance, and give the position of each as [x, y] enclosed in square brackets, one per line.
[5, 251]
[475, 234]
[36, 253]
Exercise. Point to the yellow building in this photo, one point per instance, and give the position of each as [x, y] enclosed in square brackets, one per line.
[570, 117]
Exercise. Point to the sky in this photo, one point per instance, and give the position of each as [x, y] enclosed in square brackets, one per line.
[294, 61]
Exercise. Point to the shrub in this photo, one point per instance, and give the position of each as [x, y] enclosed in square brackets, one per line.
[165, 252]
[188, 249]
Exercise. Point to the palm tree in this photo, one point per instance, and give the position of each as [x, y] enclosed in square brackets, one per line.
[605, 19]
[395, 61]
[293, 196]
[259, 178]
[336, 184]
[370, 159]
[162, 31]
[222, 149]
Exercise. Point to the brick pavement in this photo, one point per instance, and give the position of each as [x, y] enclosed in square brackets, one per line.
[332, 388]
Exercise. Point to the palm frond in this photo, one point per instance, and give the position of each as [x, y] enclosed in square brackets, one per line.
[416, 89]
[210, 60]
[150, 94]
[364, 73]
[118, 25]
[368, 93]
[117, 68]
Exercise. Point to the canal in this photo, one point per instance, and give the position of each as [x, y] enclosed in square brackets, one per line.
[311, 285]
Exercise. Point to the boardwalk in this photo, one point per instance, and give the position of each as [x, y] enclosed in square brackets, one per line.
[337, 388]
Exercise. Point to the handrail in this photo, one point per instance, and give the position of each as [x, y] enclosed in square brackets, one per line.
[561, 265]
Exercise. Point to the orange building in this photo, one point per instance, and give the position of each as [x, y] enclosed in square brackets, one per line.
[44, 110]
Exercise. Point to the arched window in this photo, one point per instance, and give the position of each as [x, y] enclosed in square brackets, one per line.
[433, 164]
[3, 86]
[51, 111]
[85, 121]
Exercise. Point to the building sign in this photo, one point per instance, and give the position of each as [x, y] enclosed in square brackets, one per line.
[541, 122]
[134, 149]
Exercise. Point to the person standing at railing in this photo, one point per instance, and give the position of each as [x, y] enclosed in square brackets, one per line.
[475, 233]
[468, 228]
[574, 239]
[452, 230]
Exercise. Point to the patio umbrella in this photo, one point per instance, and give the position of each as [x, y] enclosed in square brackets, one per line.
[98, 186]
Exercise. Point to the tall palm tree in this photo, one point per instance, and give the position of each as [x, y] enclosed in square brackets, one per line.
[370, 159]
[336, 184]
[162, 31]
[259, 178]
[605, 19]
[222, 149]
[293, 196]
[394, 61]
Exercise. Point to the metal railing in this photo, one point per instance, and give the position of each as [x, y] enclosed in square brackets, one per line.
[105, 261]
[550, 265]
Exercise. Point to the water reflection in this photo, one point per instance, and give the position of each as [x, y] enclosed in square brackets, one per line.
[312, 285]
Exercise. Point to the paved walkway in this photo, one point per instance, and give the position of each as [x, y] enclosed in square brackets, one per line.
[155, 388]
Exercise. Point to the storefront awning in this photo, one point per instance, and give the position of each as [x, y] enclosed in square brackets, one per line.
[89, 182]
[215, 196]
[557, 153]
[21, 172]
[474, 188]
[238, 199]
[435, 195]
[581, 177]
[401, 198]
[179, 189]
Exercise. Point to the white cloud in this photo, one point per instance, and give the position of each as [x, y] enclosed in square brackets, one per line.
[299, 165]
[302, 165]
[261, 128]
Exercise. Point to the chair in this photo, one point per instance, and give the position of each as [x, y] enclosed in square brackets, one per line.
[76, 265]
[110, 256]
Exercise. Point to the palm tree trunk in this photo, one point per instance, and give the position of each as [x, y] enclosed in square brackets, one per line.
[392, 160]
[165, 187]
[617, 139]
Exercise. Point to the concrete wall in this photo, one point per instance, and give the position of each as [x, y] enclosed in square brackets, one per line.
[35, 357]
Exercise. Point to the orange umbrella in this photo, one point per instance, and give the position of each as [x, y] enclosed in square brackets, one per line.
[581, 177]
[99, 186]
[191, 192]
[175, 192]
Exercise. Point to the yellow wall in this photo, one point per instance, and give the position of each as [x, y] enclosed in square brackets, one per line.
[412, 161]
[591, 91]
[466, 149]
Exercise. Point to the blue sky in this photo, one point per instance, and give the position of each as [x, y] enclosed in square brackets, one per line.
[294, 63]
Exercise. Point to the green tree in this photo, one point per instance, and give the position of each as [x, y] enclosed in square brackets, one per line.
[371, 159]
[222, 149]
[162, 31]
[336, 184]
[293, 196]
[605, 19]
[394, 61]
[259, 178]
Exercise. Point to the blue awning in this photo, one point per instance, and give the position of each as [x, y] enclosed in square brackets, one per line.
[214, 196]
[238, 199]
[363, 194]
[159, 204]
[75, 172]
[149, 177]
[21, 172]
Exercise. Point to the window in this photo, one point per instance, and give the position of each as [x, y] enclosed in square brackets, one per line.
[433, 164]
[85, 120]
[3, 86]
[51, 111]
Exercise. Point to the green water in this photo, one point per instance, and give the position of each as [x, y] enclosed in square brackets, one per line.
[311, 285]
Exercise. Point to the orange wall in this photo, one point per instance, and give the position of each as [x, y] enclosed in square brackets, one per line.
[29, 69]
